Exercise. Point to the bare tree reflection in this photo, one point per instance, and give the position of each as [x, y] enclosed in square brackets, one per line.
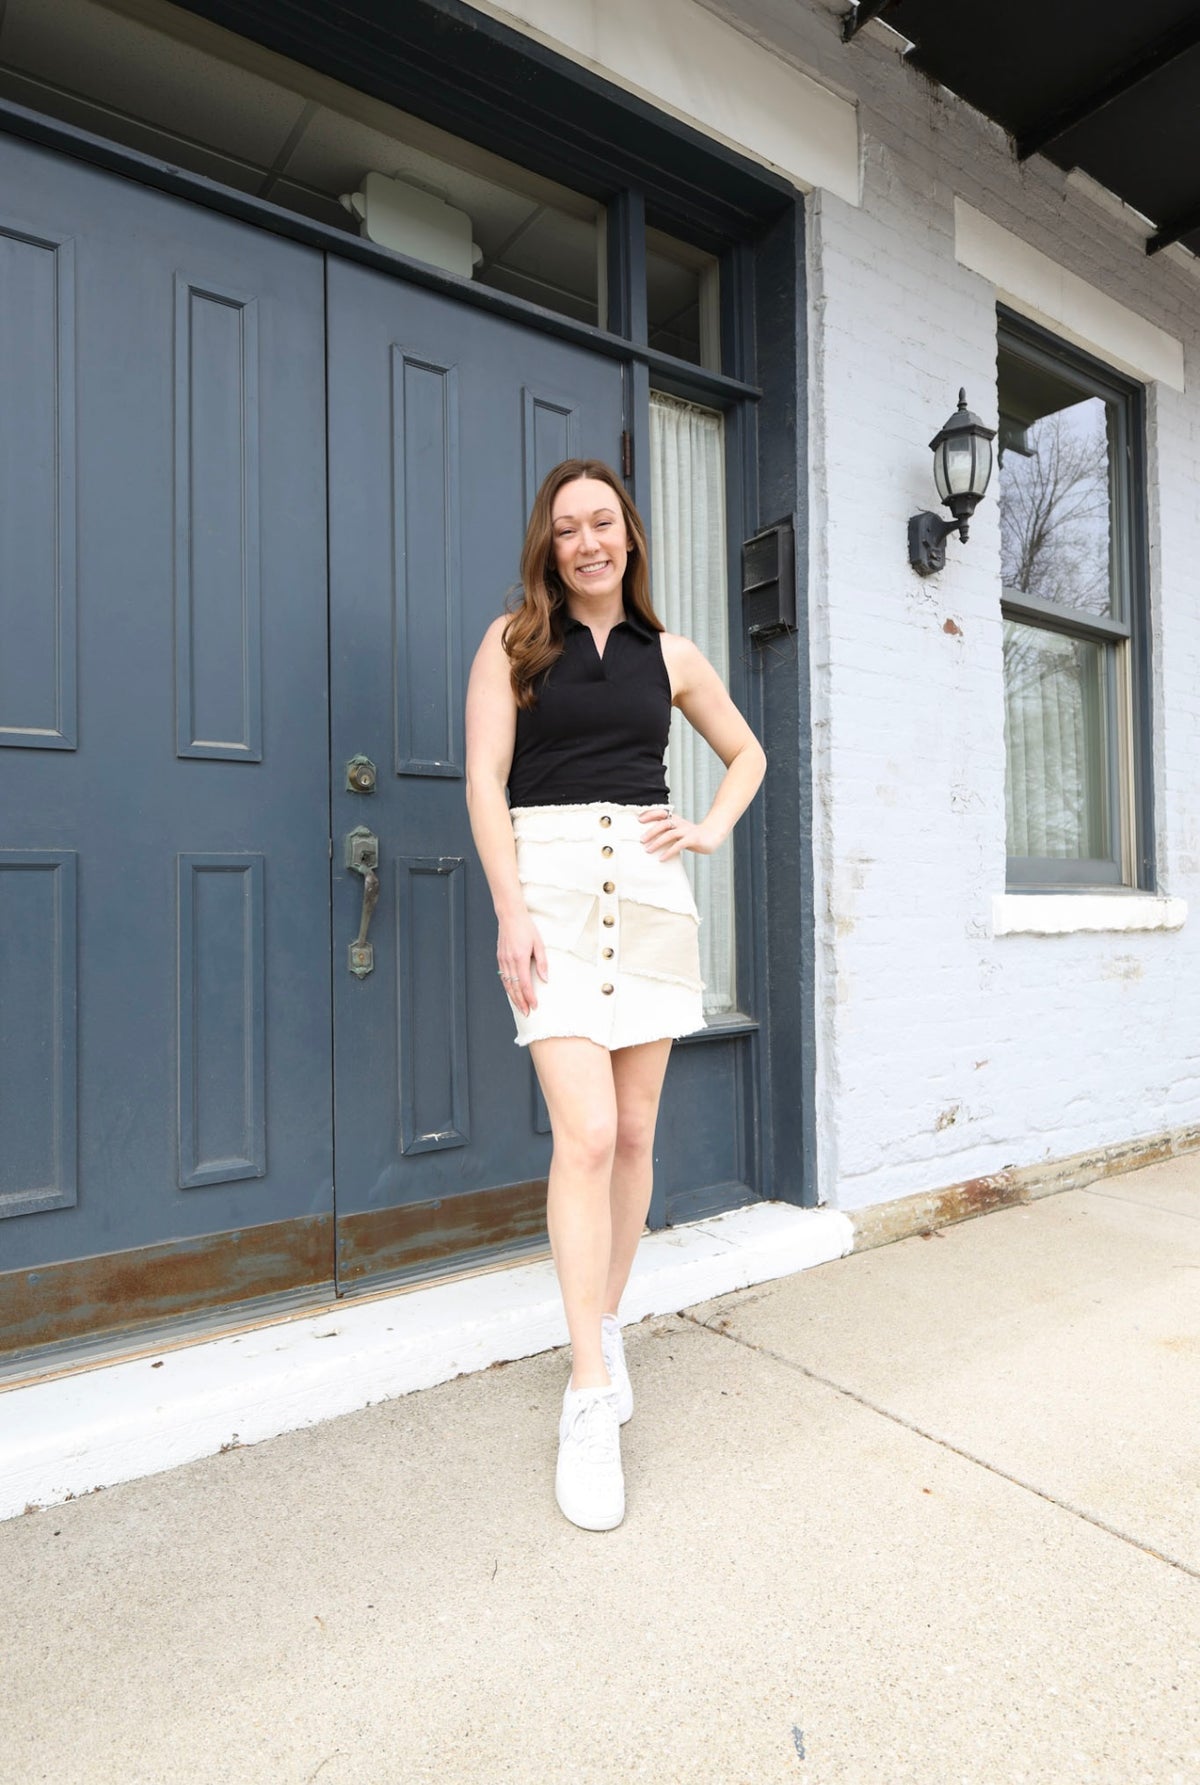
[1054, 528]
[1054, 510]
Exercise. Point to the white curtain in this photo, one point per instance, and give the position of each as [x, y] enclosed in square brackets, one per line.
[689, 585]
[1055, 744]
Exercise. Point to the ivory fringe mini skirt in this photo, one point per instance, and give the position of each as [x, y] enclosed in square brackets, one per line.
[620, 927]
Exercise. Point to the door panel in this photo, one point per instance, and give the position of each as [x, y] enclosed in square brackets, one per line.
[164, 921]
[173, 633]
[442, 422]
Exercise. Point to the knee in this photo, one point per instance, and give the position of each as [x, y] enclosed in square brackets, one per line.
[635, 1134]
[588, 1145]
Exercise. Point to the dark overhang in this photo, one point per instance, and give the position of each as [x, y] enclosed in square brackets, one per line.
[1111, 87]
[456, 67]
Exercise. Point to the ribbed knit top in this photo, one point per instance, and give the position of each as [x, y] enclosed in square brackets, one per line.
[598, 730]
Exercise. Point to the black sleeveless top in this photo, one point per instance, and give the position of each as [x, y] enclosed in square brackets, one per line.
[598, 730]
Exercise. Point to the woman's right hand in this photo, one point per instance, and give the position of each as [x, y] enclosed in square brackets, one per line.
[519, 952]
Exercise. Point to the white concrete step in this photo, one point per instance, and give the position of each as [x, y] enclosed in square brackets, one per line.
[116, 1421]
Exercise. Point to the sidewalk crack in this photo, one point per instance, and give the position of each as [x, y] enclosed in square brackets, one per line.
[1136, 1202]
[969, 1456]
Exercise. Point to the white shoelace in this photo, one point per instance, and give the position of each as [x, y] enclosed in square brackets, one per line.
[593, 1427]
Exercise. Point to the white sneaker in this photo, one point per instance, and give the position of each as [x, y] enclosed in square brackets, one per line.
[612, 1346]
[588, 1483]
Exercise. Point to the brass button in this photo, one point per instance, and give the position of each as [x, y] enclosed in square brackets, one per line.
[608, 922]
[608, 954]
[609, 887]
[607, 849]
[606, 820]
[606, 989]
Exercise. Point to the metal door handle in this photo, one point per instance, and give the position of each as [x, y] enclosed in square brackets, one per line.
[362, 857]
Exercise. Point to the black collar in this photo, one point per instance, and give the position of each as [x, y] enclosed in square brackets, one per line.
[632, 619]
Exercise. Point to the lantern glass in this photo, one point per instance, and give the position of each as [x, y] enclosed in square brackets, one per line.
[952, 466]
[983, 465]
[962, 466]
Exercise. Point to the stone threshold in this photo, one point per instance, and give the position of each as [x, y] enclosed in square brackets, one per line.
[82, 1429]
[119, 1419]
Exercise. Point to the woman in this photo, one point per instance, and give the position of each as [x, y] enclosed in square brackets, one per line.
[568, 709]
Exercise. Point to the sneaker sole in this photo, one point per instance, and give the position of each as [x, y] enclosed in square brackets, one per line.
[590, 1523]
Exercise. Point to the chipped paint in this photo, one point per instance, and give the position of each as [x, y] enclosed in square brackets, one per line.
[880, 1223]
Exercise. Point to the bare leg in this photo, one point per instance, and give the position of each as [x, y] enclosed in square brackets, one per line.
[576, 1077]
[638, 1074]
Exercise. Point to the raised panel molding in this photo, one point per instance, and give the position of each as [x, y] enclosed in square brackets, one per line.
[549, 434]
[222, 1038]
[431, 1002]
[38, 451]
[218, 570]
[426, 574]
[39, 997]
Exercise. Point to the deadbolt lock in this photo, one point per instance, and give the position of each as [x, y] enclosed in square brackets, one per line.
[361, 775]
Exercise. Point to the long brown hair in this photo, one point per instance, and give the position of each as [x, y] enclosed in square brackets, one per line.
[533, 637]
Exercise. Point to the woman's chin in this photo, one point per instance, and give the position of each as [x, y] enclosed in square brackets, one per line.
[601, 589]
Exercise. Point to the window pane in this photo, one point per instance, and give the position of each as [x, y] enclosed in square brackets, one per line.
[1056, 489]
[1057, 744]
[546, 256]
[689, 584]
[682, 306]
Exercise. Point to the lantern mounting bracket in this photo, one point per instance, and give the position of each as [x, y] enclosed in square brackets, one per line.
[927, 536]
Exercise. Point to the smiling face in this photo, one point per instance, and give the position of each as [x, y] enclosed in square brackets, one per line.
[591, 541]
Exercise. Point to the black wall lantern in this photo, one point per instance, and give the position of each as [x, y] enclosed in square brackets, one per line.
[962, 465]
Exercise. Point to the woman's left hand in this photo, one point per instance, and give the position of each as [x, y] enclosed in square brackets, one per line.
[667, 834]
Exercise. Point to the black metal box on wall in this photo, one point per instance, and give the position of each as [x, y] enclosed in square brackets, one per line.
[769, 581]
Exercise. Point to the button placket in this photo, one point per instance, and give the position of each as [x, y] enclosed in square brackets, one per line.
[609, 911]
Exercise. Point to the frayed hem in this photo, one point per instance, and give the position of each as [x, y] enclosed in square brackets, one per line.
[654, 1032]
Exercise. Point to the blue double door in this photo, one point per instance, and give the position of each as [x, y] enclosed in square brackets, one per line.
[257, 510]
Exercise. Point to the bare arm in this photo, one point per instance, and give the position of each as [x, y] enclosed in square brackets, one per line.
[703, 699]
[491, 735]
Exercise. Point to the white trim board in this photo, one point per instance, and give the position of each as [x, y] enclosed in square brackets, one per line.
[1038, 287]
[1067, 914]
[70, 1434]
[686, 61]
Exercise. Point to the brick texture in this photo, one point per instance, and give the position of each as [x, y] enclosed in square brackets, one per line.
[946, 1053]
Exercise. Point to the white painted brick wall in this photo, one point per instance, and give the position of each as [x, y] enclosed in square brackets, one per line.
[946, 1052]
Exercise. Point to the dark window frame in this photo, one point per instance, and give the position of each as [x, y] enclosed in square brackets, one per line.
[1128, 770]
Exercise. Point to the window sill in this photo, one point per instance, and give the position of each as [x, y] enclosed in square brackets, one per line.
[1069, 914]
[721, 1025]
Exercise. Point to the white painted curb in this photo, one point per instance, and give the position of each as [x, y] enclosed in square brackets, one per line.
[138, 1416]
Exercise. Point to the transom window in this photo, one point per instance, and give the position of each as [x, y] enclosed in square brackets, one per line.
[1074, 617]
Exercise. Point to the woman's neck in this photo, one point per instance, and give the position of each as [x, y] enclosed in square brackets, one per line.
[601, 615]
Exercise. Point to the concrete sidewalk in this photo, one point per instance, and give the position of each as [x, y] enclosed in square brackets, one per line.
[929, 1513]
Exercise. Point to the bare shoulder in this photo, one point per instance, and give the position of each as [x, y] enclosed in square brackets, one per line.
[494, 636]
[491, 654]
[685, 661]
